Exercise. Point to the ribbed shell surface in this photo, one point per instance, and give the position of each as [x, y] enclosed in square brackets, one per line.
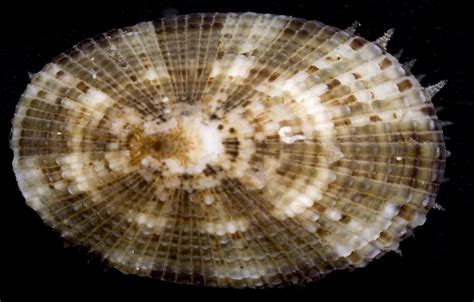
[229, 150]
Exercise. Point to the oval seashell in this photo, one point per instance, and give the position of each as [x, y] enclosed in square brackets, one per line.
[229, 150]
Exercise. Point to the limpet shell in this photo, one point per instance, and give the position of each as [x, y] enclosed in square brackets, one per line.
[229, 150]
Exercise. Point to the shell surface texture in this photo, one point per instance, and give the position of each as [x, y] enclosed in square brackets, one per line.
[229, 150]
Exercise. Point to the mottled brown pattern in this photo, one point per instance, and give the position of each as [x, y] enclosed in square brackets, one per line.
[229, 150]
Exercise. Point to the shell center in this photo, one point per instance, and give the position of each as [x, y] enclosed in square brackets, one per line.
[182, 145]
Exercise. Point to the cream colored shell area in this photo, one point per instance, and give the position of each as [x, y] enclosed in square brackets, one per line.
[230, 150]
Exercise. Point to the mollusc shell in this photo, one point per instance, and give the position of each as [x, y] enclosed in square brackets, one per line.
[229, 150]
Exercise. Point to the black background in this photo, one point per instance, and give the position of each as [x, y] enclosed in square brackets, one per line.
[436, 262]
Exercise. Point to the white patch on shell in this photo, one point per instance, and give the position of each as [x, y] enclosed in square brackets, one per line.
[333, 214]
[208, 199]
[287, 138]
[151, 75]
[225, 227]
[92, 97]
[390, 210]
[241, 66]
